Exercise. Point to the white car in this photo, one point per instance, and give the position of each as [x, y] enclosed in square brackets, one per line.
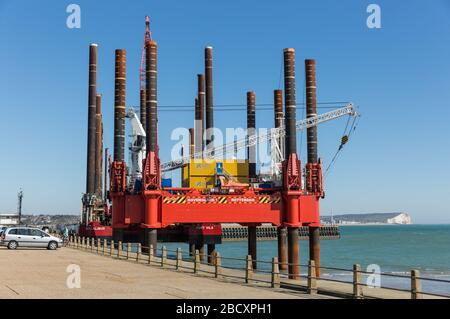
[14, 237]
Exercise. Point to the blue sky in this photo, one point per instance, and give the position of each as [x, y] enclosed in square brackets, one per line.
[399, 76]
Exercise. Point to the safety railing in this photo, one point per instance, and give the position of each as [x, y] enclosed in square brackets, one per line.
[271, 276]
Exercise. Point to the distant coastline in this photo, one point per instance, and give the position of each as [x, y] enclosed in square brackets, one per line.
[400, 218]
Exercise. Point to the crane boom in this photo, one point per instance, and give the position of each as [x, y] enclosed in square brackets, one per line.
[137, 147]
[252, 140]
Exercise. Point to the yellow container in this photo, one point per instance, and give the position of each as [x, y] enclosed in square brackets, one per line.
[235, 167]
[208, 168]
[202, 168]
[201, 182]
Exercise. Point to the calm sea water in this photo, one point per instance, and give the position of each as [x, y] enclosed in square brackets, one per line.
[395, 249]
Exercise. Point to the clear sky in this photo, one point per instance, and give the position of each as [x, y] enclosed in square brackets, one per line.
[399, 76]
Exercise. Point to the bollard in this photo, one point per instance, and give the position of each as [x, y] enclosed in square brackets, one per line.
[111, 248]
[150, 254]
[98, 246]
[119, 249]
[105, 243]
[275, 282]
[78, 242]
[92, 243]
[249, 269]
[197, 261]
[312, 279]
[128, 250]
[179, 259]
[139, 251]
[357, 288]
[163, 255]
[416, 285]
[83, 243]
[217, 265]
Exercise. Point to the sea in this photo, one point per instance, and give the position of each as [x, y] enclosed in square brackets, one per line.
[389, 249]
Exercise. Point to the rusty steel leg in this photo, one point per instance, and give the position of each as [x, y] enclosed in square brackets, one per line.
[117, 235]
[151, 239]
[92, 100]
[314, 247]
[252, 244]
[282, 249]
[211, 252]
[293, 253]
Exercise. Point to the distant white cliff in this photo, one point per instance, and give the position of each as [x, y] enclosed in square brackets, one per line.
[402, 218]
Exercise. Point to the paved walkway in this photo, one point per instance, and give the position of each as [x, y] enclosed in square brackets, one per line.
[40, 273]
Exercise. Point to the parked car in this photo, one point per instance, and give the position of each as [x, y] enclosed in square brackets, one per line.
[14, 237]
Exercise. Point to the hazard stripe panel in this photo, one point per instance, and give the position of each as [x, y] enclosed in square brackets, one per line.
[221, 200]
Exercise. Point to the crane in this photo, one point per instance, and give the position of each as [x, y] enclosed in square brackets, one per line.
[274, 136]
[136, 147]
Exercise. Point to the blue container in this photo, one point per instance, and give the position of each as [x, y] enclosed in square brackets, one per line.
[138, 184]
[166, 182]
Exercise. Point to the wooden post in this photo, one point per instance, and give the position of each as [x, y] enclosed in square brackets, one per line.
[105, 243]
[249, 269]
[138, 252]
[312, 279]
[357, 287]
[416, 285]
[179, 259]
[275, 282]
[197, 261]
[111, 248]
[128, 250]
[98, 245]
[217, 265]
[119, 249]
[150, 254]
[163, 255]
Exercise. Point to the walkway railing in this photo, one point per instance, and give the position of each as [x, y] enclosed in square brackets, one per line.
[180, 260]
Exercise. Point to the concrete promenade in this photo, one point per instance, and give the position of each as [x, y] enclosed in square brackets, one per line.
[40, 273]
